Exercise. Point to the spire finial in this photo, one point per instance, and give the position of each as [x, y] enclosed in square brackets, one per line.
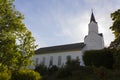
[92, 17]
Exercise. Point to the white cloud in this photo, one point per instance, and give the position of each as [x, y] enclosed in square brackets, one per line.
[75, 26]
[39, 40]
[72, 18]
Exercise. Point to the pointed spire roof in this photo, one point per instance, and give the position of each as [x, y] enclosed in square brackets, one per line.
[92, 18]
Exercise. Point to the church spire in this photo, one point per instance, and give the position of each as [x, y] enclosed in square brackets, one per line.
[92, 18]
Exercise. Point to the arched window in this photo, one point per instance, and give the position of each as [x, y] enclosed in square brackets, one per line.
[59, 60]
[51, 60]
[77, 58]
[68, 58]
[36, 61]
[43, 62]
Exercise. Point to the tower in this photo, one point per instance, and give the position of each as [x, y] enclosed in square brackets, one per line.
[94, 40]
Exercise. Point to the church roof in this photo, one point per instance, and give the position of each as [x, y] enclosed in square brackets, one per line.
[60, 48]
[92, 18]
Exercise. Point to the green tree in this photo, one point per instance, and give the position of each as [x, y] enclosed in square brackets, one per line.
[116, 29]
[16, 41]
[115, 45]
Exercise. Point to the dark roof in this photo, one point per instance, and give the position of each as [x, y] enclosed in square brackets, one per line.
[60, 48]
[92, 18]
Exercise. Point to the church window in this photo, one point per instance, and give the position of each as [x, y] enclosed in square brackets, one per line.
[68, 58]
[51, 60]
[43, 62]
[77, 58]
[36, 61]
[59, 60]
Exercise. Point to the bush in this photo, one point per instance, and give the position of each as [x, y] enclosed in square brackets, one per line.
[5, 76]
[42, 69]
[99, 58]
[72, 64]
[117, 59]
[4, 73]
[25, 75]
[52, 69]
[63, 73]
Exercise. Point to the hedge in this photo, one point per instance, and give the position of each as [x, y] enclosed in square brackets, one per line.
[99, 58]
[26, 75]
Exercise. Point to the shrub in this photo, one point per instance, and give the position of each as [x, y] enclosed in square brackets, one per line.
[72, 64]
[52, 69]
[5, 76]
[25, 75]
[42, 69]
[117, 59]
[3, 68]
[4, 73]
[99, 58]
[63, 73]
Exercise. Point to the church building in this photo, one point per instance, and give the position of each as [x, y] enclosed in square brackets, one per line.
[57, 55]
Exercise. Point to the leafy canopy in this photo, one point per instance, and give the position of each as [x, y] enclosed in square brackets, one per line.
[116, 23]
[116, 29]
[115, 45]
[16, 41]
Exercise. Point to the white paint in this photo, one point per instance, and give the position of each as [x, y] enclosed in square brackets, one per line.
[93, 40]
[93, 28]
[73, 54]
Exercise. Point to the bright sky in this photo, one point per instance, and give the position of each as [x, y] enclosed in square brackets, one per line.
[59, 22]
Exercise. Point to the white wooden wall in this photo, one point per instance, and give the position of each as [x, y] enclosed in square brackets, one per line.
[73, 54]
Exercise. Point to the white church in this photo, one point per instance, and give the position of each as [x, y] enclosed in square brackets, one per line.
[57, 55]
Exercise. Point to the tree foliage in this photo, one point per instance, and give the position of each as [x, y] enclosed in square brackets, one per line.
[16, 41]
[116, 23]
[116, 29]
[4, 73]
[5, 76]
[115, 45]
[42, 69]
[26, 75]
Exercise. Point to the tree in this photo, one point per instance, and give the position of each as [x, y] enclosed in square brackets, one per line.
[16, 41]
[116, 29]
[115, 45]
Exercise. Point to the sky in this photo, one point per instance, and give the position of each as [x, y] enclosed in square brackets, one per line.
[59, 22]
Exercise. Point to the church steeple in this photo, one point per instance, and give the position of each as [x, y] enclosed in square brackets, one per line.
[92, 18]
[94, 40]
[93, 27]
